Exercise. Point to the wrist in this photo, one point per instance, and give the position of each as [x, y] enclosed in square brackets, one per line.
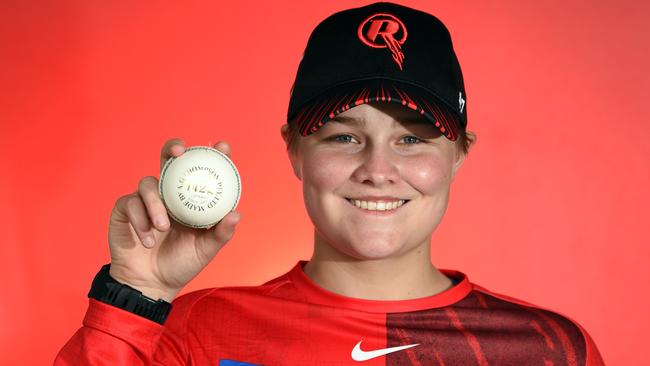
[149, 291]
[110, 291]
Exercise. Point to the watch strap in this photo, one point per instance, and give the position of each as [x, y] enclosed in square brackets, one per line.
[106, 289]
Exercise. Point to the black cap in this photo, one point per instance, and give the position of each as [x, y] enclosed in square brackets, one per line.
[379, 52]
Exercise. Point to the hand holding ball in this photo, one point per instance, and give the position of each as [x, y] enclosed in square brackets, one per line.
[199, 187]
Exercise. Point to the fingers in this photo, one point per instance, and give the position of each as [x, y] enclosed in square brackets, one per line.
[148, 190]
[143, 208]
[172, 148]
[175, 147]
[223, 146]
[132, 206]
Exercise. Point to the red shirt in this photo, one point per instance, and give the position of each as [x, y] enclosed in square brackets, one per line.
[290, 320]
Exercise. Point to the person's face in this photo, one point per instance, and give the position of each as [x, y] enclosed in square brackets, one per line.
[378, 155]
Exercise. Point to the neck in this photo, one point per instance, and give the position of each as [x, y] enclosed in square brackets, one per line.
[407, 276]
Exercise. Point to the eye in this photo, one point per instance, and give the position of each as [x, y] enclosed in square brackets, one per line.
[412, 140]
[343, 139]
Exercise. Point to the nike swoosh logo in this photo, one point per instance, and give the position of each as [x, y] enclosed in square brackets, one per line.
[359, 355]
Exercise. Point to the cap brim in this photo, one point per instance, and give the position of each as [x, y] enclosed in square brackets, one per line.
[313, 115]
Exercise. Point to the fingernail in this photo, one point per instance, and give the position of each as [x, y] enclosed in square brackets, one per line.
[180, 148]
[161, 222]
[148, 242]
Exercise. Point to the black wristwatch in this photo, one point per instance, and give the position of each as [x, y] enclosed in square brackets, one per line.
[106, 289]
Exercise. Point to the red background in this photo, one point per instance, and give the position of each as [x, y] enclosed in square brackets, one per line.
[550, 207]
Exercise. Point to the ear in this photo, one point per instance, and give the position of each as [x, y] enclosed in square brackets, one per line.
[460, 155]
[284, 131]
[293, 158]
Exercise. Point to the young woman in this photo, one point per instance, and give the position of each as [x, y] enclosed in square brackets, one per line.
[376, 134]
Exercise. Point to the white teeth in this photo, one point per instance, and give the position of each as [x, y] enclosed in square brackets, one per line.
[377, 206]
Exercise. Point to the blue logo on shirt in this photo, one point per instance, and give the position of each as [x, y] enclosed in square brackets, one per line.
[235, 363]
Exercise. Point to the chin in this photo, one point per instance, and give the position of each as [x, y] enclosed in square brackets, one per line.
[362, 245]
[370, 249]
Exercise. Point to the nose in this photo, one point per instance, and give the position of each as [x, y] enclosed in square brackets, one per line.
[378, 166]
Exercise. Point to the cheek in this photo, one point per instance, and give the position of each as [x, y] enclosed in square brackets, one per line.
[430, 176]
[427, 173]
[323, 173]
[325, 170]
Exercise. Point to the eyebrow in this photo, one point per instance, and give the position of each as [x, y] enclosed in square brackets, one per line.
[362, 122]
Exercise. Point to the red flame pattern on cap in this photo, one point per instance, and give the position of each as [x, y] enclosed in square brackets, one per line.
[313, 115]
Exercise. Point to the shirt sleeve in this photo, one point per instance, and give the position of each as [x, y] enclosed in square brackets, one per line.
[113, 336]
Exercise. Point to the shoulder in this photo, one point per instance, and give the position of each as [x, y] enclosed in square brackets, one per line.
[198, 301]
[557, 329]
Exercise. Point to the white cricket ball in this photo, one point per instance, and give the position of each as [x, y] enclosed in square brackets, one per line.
[199, 187]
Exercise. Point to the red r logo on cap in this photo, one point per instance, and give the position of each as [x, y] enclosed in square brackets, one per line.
[389, 27]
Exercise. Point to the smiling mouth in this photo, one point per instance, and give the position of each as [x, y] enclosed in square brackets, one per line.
[377, 205]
